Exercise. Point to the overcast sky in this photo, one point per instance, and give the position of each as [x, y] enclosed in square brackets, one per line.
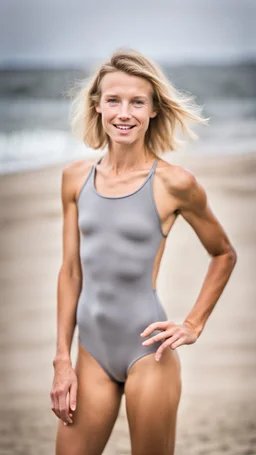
[62, 32]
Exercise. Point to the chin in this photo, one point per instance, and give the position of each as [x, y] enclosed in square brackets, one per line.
[122, 140]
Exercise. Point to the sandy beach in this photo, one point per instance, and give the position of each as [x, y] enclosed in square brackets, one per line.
[217, 413]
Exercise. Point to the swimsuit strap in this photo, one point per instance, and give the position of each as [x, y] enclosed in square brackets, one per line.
[99, 160]
[152, 170]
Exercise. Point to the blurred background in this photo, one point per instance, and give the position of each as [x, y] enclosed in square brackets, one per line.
[207, 48]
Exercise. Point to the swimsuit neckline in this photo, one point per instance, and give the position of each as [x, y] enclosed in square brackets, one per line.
[124, 195]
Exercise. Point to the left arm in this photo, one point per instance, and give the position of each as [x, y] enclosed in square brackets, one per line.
[194, 207]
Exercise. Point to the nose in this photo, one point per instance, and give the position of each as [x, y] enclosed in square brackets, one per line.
[123, 112]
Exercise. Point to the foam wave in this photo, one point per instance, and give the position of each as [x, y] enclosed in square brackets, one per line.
[27, 149]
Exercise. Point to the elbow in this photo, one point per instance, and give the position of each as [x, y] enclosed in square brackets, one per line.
[68, 271]
[232, 255]
[229, 255]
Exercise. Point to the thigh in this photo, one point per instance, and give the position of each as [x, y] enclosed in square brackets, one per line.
[98, 402]
[153, 391]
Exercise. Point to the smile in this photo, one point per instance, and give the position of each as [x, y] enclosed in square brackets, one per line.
[124, 127]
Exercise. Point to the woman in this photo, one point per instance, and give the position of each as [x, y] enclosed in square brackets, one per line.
[117, 214]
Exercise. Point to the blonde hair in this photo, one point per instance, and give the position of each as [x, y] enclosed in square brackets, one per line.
[173, 107]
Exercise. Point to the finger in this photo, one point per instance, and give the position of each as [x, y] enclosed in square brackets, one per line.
[52, 401]
[68, 407]
[165, 345]
[53, 406]
[178, 343]
[160, 325]
[66, 423]
[63, 407]
[160, 336]
[56, 405]
[72, 395]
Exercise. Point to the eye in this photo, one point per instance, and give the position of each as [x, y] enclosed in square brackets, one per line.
[112, 100]
[138, 102]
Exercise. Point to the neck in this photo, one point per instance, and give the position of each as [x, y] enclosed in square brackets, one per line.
[120, 158]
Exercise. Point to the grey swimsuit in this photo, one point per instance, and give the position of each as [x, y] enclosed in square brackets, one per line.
[119, 239]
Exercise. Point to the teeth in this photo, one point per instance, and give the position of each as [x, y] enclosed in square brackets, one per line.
[124, 127]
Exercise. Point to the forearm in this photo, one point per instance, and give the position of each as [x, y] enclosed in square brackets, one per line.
[214, 283]
[68, 291]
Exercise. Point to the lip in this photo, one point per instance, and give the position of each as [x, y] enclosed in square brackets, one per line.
[122, 124]
[123, 131]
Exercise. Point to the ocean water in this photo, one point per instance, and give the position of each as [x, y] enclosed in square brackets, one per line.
[35, 121]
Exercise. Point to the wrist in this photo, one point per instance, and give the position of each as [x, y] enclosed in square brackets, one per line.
[197, 329]
[61, 358]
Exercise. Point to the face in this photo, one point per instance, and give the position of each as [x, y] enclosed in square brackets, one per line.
[126, 107]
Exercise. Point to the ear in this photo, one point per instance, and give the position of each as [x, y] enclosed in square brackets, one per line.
[153, 114]
[98, 109]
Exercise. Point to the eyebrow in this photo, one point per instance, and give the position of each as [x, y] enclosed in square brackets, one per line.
[108, 95]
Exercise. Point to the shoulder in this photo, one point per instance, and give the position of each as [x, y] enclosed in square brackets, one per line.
[177, 179]
[182, 184]
[75, 167]
[73, 174]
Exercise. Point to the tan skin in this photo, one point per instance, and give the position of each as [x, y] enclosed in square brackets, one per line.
[84, 398]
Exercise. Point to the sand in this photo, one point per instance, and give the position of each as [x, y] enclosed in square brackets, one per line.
[217, 412]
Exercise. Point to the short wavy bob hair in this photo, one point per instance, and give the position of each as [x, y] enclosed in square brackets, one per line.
[173, 107]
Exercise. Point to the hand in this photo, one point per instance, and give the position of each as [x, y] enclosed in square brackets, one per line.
[172, 335]
[64, 391]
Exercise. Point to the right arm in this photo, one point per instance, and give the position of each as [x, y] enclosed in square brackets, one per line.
[68, 291]
[70, 275]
